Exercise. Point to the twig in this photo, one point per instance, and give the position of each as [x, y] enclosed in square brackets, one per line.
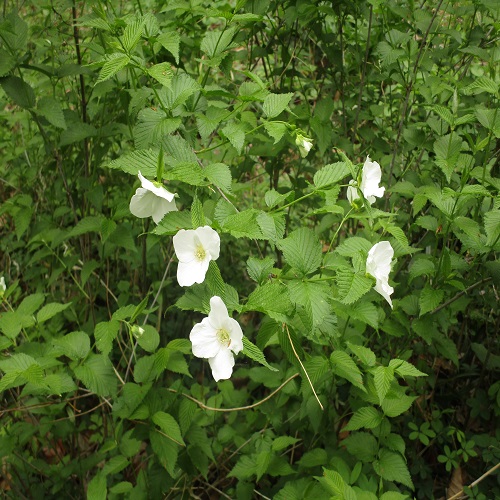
[458, 295]
[303, 368]
[477, 481]
[249, 407]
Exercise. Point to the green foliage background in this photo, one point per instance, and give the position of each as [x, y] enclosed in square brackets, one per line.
[329, 398]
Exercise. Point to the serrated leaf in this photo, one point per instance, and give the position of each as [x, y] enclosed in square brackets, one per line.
[19, 91]
[447, 149]
[392, 467]
[271, 299]
[243, 225]
[302, 250]
[352, 286]
[97, 375]
[75, 345]
[354, 245]
[149, 339]
[492, 227]
[395, 406]
[331, 174]
[366, 417]
[144, 161]
[364, 354]
[444, 113]
[421, 266]
[166, 451]
[169, 426]
[50, 310]
[429, 299]
[272, 226]
[235, 132]
[190, 173]
[364, 311]
[52, 111]
[216, 42]
[104, 333]
[481, 84]
[274, 104]
[115, 465]
[114, 63]
[220, 175]
[311, 301]
[132, 34]
[382, 377]
[152, 126]
[345, 367]
[258, 269]
[361, 445]
[162, 73]
[171, 42]
[405, 369]
[253, 352]
[275, 130]
[76, 132]
[282, 442]
[97, 487]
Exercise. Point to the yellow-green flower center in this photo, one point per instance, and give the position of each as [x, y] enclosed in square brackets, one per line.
[223, 337]
[200, 253]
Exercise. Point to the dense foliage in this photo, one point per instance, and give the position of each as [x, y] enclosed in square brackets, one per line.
[259, 116]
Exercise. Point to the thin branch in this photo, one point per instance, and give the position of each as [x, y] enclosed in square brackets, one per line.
[249, 407]
[476, 482]
[303, 368]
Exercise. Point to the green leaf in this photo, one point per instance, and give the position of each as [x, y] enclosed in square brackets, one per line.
[447, 149]
[243, 225]
[481, 84]
[352, 286]
[364, 354]
[273, 198]
[363, 311]
[190, 173]
[162, 73]
[382, 377]
[174, 221]
[311, 301]
[274, 104]
[395, 406]
[150, 339]
[171, 41]
[152, 126]
[52, 111]
[429, 299]
[114, 63]
[272, 226]
[7, 62]
[276, 130]
[220, 175]
[104, 333]
[271, 299]
[282, 442]
[181, 88]
[353, 246]
[302, 250]
[259, 270]
[169, 426]
[144, 161]
[75, 345]
[19, 91]
[130, 398]
[216, 42]
[215, 282]
[492, 227]
[115, 465]
[253, 352]
[76, 132]
[97, 487]
[405, 369]
[392, 467]
[235, 132]
[50, 310]
[97, 375]
[345, 367]
[331, 174]
[166, 450]
[132, 34]
[366, 417]
[361, 445]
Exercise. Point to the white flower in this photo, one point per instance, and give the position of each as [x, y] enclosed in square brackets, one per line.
[3, 286]
[195, 248]
[215, 337]
[378, 264]
[370, 180]
[152, 199]
[304, 143]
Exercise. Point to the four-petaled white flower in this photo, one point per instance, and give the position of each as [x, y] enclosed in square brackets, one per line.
[195, 248]
[378, 264]
[152, 199]
[217, 337]
[304, 143]
[370, 180]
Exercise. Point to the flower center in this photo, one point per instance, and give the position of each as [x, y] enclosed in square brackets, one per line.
[200, 253]
[223, 337]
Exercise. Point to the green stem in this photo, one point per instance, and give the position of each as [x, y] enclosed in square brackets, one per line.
[346, 216]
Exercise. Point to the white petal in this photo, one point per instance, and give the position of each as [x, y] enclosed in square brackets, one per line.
[185, 245]
[236, 335]
[352, 192]
[159, 191]
[385, 290]
[162, 207]
[210, 240]
[378, 262]
[141, 204]
[3, 286]
[204, 340]
[222, 364]
[189, 273]
[218, 315]
[370, 180]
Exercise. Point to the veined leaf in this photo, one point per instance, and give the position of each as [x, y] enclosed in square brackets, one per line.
[366, 417]
[346, 368]
[50, 310]
[220, 175]
[274, 104]
[114, 63]
[169, 426]
[171, 41]
[352, 286]
[302, 250]
[253, 352]
[132, 34]
[382, 377]
[162, 73]
[331, 174]
[429, 299]
[97, 375]
[19, 91]
[216, 42]
[392, 467]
